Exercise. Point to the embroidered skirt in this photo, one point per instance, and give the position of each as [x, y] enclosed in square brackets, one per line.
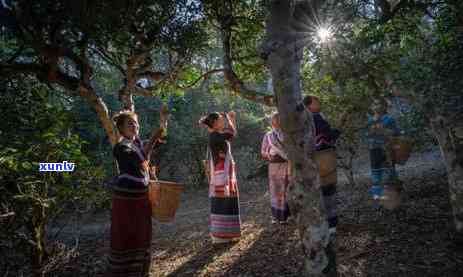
[224, 220]
[131, 231]
[278, 187]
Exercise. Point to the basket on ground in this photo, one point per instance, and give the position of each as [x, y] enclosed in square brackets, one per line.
[165, 199]
[401, 148]
[326, 160]
[391, 198]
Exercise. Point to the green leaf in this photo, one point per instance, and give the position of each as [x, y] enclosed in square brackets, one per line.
[26, 165]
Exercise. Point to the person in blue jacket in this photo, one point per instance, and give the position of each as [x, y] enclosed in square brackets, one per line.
[381, 128]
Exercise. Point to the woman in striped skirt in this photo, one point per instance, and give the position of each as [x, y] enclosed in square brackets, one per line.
[224, 221]
[272, 151]
[130, 254]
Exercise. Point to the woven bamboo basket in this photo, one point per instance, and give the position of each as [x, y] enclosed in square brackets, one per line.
[165, 199]
[401, 148]
[326, 160]
[391, 199]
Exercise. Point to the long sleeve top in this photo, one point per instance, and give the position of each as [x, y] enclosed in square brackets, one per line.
[133, 167]
[272, 147]
[218, 145]
[325, 136]
[380, 130]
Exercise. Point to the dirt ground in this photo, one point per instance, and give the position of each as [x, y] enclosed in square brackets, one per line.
[413, 240]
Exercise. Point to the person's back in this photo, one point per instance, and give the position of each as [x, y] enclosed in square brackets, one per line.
[325, 138]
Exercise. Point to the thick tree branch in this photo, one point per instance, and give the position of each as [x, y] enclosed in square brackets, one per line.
[138, 67]
[203, 76]
[125, 94]
[234, 81]
[101, 110]
[86, 91]
[71, 84]
[149, 91]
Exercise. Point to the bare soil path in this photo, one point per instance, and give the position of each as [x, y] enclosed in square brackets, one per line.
[413, 240]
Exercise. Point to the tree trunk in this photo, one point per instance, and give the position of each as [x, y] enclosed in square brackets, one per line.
[284, 59]
[348, 166]
[349, 173]
[449, 134]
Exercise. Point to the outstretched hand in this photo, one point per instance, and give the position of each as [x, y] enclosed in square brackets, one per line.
[231, 118]
[163, 117]
[231, 115]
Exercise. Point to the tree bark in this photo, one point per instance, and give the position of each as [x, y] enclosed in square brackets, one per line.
[347, 165]
[102, 112]
[284, 57]
[449, 134]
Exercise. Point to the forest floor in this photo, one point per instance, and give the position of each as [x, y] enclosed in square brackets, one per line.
[413, 240]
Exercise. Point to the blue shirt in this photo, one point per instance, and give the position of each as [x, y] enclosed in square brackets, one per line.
[377, 138]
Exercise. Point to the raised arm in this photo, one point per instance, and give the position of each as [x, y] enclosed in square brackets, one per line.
[157, 134]
[231, 118]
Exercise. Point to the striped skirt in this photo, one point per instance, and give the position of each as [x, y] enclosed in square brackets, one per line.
[224, 220]
[130, 254]
[278, 186]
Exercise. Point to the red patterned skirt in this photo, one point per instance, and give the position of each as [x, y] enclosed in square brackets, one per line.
[130, 236]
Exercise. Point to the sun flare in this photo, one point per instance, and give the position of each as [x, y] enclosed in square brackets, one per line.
[324, 34]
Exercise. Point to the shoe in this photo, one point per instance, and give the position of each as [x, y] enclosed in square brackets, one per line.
[283, 222]
[274, 221]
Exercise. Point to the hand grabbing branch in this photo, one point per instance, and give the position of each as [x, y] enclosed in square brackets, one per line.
[158, 135]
